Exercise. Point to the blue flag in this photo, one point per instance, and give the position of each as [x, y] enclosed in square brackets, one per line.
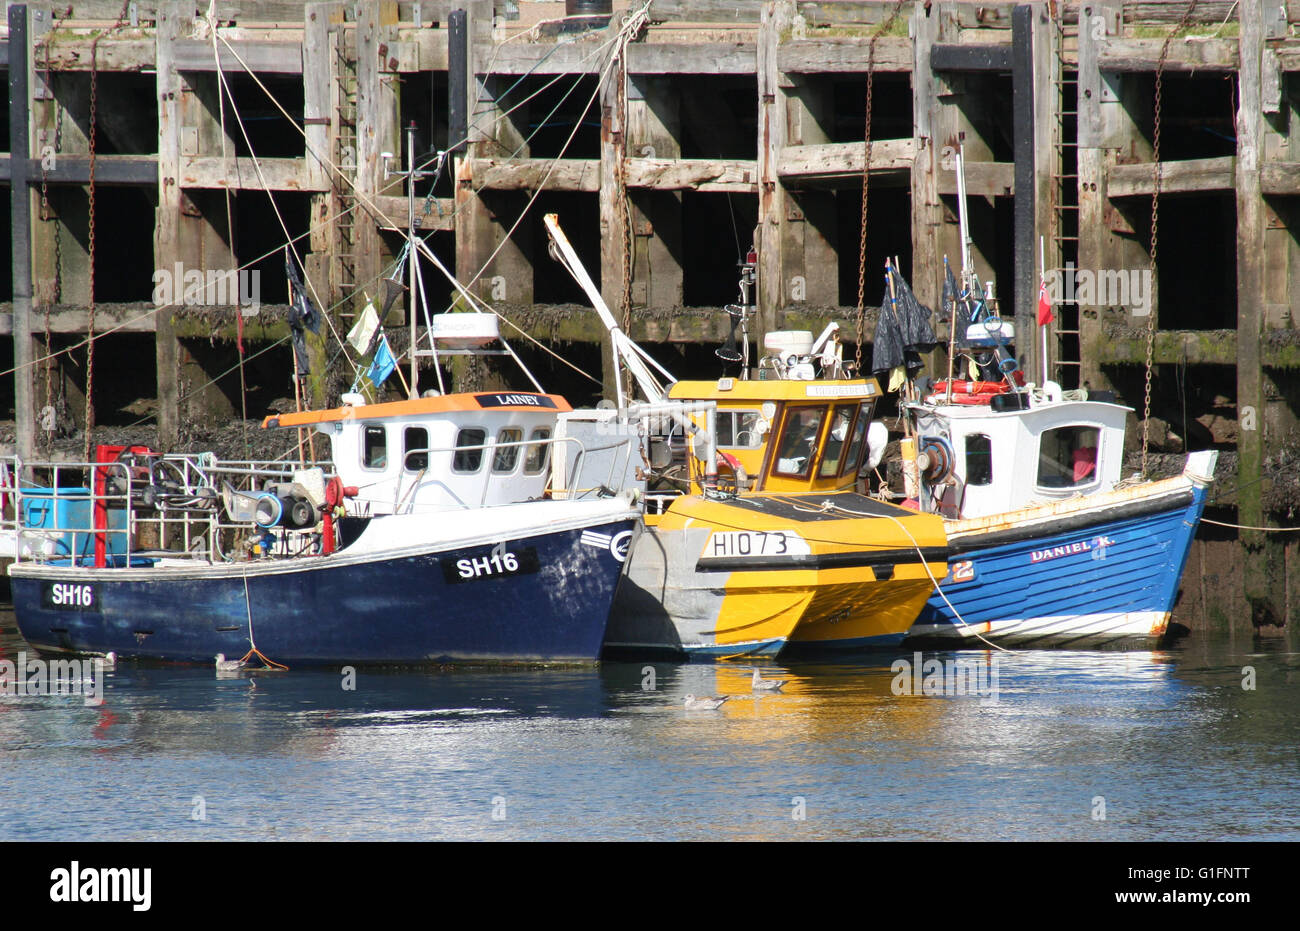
[383, 364]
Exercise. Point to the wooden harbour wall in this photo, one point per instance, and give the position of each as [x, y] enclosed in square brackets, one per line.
[740, 117]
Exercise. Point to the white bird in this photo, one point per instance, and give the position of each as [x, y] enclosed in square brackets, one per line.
[228, 665]
[110, 659]
[767, 685]
[704, 703]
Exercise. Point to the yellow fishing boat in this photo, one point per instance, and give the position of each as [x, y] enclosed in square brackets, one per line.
[778, 552]
[765, 548]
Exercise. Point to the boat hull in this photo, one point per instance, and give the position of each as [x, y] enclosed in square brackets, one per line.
[537, 595]
[1100, 571]
[775, 575]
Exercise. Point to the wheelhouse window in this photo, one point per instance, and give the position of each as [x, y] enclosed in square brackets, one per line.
[374, 447]
[832, 458]
[739, 430]
[1067, 457]
[467, 459]
[853, 458]
[797, 446]
[979, 459]
[415, 446]
[507, 457]
[538, 452]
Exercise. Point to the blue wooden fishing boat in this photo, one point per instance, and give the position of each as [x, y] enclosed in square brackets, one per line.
[1049, 545]
[431, 541]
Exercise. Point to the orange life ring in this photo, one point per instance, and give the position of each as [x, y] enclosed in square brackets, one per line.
[971, 387]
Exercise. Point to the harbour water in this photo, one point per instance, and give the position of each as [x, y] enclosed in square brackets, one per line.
[1197, 742]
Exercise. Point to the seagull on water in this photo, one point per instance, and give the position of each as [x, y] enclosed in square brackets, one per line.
[704, 703]
[767, 685]
[229, 665]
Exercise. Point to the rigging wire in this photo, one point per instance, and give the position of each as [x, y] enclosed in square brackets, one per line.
[363, 203]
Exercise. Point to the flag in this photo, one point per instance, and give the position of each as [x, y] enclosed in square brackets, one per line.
[383, 364]
[363, 331]
[302, 312]
[1044, 305]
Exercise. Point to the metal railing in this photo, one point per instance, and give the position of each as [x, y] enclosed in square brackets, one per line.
[142, 507]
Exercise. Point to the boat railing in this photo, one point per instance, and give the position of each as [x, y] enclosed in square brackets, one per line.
[128, 512]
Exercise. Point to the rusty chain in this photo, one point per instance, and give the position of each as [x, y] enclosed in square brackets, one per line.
[625, 209]
[1155, 222]
[90, 231]
[866, 174]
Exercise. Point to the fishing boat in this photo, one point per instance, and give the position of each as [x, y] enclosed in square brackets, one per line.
[428, 540]
[1050, 545]
[767, 548]
[426, 534]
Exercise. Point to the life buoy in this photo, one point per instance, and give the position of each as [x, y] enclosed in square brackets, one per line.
[969, 392]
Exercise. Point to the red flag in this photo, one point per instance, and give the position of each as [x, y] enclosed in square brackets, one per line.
[1044, 306]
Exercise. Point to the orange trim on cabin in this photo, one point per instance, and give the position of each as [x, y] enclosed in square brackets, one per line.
[415, 407]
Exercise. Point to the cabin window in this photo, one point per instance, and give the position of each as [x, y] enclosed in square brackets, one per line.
[535, 460]
[374, 447]
[507, 457]
[415, 438]
[832, 459]
[466, 458]
[853, 459]
[798, 444]
[739, 430]
[1067, 457]
[979, 460]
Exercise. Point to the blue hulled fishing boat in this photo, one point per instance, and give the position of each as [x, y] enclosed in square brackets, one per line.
[432, 540]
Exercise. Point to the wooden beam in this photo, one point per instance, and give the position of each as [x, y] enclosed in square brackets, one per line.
[261, 56]
[279, 174]
[842, 161]
[439, 215]
[643, 58]
[835, 55]
[114, 54]
[1280, 178]
[75, 169]
[1190, 54]
[532, 174]
[970, 57]
[696, 174]
[1181, 177]
[166, 242]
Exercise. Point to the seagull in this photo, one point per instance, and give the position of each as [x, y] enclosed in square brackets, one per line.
[228, 665]
[767, 685]
[110, 659]
[704, 703]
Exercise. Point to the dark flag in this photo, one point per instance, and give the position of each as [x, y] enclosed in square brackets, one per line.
[903, 330]
[302, 314]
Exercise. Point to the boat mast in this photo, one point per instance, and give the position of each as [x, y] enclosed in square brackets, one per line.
[413, 245]
[624, 348]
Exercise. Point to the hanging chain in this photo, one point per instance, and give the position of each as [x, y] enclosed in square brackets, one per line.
[625, 208]
[90, 236]
[1155, 222]
[866, 174]
[90, 231]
